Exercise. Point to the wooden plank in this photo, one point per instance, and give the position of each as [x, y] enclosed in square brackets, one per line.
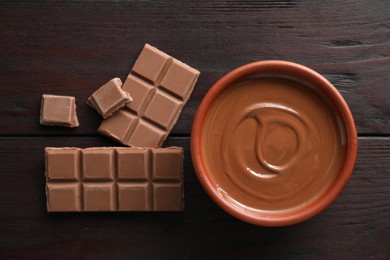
[356, 225]
[72, 47]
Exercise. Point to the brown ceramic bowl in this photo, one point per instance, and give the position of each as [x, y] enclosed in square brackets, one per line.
[284, 69]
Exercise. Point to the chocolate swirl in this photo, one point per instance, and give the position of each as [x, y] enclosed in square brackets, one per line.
[271, 145]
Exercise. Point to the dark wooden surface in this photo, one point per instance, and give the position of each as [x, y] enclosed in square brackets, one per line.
[73, 47]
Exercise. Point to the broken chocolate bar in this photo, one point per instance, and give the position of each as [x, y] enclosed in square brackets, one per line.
[109, 98]
[58, 111]
[114, 179]
[160, 86]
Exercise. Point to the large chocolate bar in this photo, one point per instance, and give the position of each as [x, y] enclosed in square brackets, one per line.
[114, 179]
[160, 86]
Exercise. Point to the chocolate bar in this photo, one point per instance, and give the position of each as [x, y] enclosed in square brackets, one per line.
[109, 98]
[160, 86]
[114, 179]
[58, 111]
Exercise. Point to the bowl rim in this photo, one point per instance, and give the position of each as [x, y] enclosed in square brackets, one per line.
[282, 68]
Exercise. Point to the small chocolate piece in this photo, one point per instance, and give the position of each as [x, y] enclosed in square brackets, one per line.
[58, 111]
[109, 98]
[160, 86]
[114, 179]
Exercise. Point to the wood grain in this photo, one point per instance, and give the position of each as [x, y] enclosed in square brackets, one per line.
[355, 226]
[73, 47]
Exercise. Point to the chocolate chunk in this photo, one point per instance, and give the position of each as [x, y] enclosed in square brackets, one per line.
[58, 111]
[160, 86]
[109, 98]
[114, 179]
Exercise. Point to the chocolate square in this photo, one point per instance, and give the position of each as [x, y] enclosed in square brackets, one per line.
[134, 196]
[167, 164]
[133, 164]
[140, 90]
[98, 164]
[59, 111]
[163, 110]
[118, 126]
[150, 63]
[179, 79]
[109, 98]
[99, 197]
[146, 135]
[63, 197]
[63, 164]
[170, 196]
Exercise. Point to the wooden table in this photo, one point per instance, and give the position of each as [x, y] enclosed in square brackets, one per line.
[73, 47]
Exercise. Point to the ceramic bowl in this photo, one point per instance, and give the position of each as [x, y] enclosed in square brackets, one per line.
[284, 69]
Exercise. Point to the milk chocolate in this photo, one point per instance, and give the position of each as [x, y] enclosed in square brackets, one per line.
[282, 145]
[114, 179]
[58, 111]
[109, 98]
[160, 86]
